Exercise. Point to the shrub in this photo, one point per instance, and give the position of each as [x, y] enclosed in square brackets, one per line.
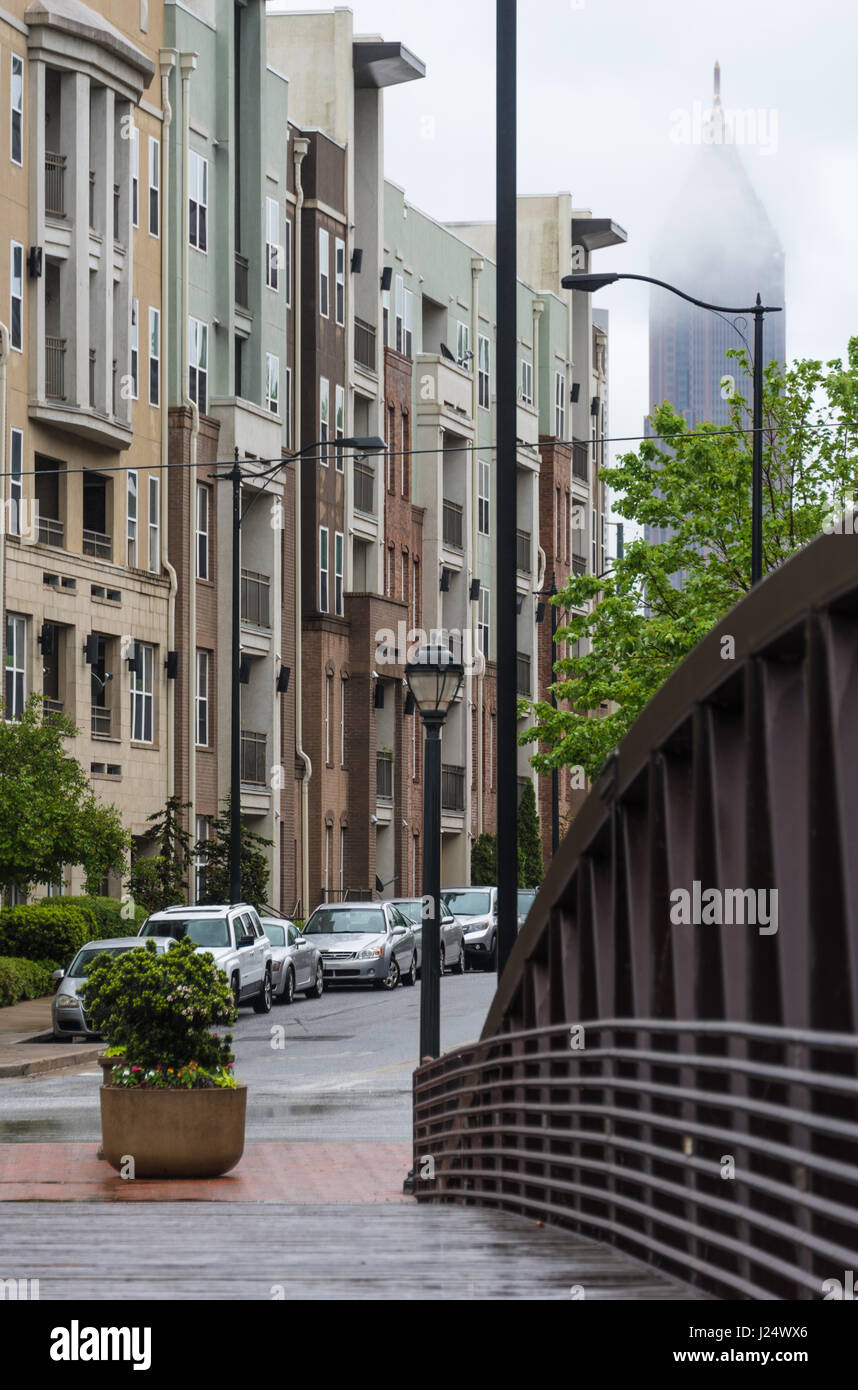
[109, 918]
[24, 979]
[531, 869]
[47, 931]
[484, 861]
[161, 1010]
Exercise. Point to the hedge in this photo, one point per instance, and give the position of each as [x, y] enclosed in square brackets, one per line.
[48, 931]
[24, 979]
[108, 916]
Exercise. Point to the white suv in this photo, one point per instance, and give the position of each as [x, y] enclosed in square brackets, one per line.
[231, 933]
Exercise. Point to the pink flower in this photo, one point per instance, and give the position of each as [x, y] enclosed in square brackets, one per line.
[136, 1068]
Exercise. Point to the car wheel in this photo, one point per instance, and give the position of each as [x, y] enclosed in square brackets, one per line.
[319, 984]
[443, 961]
[262, 1003]
[391, 979]
[235, 986]
[459, 967]
[411, 977]
[289, 988]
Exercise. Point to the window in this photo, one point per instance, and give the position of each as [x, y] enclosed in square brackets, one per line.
[135, 176]
[142, 694]
[483, 623]
[603, 545]
[483, 497]
[198, 201]
[594, 535]
[527, 382]
[329, 681]
[414, 723]
[408, 340]
[324, 271]
[16, 649]
[403, 576]
[154, 356]
[388, 572]
[414, 865]
[135, 349]
[342, 723]
[323, 569]
[340, 424]
[324, 418]
[16, 143]
[338, 573]
[484, 373]
[154, 524]
[16, 473]
[415, 589]
[16, 316]
[389, 442]
[287, 408]
[154, 186]
[203, 500]
[272, 244]
[202, 699]
[287, 263]
[385, 317]
[327, 860]
[202, 828]
[342, 859]
[198, 352]
[492, 718]
[272, 383]
[463, 344]
[131, 519]
[340, 269]
[400, 314]
[560, 405]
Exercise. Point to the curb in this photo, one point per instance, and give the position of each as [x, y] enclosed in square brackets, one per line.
[58, 1062]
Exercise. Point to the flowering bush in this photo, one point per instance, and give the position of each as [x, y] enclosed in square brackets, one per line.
[159, 1011]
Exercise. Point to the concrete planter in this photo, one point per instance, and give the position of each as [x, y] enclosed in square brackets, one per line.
[173, 1134]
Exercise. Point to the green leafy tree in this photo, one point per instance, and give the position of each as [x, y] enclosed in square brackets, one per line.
[484, 861]
[531, 869]
[637, 624]
[159, 881]
[213, 855]
[49, 814]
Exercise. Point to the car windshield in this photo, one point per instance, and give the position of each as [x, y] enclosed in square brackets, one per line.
[346, 921]
[85, 957]
[468, 904]
[413, 909]
[276, 935]
[204, 931]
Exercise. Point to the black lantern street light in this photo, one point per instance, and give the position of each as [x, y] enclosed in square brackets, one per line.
[236, 476]
[590, 283]
[434, 679]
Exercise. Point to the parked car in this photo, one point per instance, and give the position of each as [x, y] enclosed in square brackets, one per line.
[67, 1015]
[364, 943]
[452, 936]
[477, 910]
[296, 964]
[231, 933]
[525, 903]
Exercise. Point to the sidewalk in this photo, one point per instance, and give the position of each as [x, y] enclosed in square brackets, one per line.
[27, 1045]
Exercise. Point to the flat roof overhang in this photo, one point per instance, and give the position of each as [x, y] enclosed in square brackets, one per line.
[385, 64]
[595, 232]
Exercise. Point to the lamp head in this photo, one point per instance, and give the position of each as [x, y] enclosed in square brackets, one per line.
[434, 678]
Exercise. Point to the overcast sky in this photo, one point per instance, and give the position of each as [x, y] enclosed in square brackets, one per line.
[600, 86]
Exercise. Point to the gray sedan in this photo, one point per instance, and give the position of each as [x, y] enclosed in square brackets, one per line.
[364, 944]
[67, 1015]
[452, 936]
[296, 963]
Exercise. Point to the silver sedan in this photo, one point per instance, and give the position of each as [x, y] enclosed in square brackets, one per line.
[452, 936]
[296, 963]
[67, 1016]
[367, 943]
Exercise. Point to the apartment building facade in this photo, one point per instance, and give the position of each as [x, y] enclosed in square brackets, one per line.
[86, 598]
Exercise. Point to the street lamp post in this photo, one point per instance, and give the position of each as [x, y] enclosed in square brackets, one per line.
[589, 283]
[434, 678]
[236, 476]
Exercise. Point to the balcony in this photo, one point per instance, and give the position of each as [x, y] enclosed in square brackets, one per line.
[98, 545]
[55, 171]
[527, 425]
[452, 788]
[522, 673]
[50, 531]
[365, 345]
[255, 598]
[364, 479]
[384, 776]
[522, 552]
[242, 292]
[253, 758]
[100, 721]
[55, 356]
[452, 524]
[579, 565]
[445, 387]
[52, 706]
[580, 467]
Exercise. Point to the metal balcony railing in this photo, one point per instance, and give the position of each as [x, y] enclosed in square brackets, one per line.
[452, 524]
[253, 758]
[55, 171]
[384, 776]
[242, 293]
[452, 788]
[522, 552]
[255, 598]
[522, 673]
[364, 489]
[580, 465]
[365, 344]
[50, 531]
[55, 355]
[52, 706]
[98, 545]
[100, 721]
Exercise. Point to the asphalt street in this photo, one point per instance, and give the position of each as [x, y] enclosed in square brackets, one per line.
[335, 1068]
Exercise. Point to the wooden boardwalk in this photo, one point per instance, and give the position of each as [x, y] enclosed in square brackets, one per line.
[366, 1251]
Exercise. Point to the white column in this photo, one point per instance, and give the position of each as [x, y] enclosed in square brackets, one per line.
[74, 279]
[36, 301]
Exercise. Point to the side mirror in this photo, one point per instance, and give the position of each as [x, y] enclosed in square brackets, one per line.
[399, 931]
[58, 975]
